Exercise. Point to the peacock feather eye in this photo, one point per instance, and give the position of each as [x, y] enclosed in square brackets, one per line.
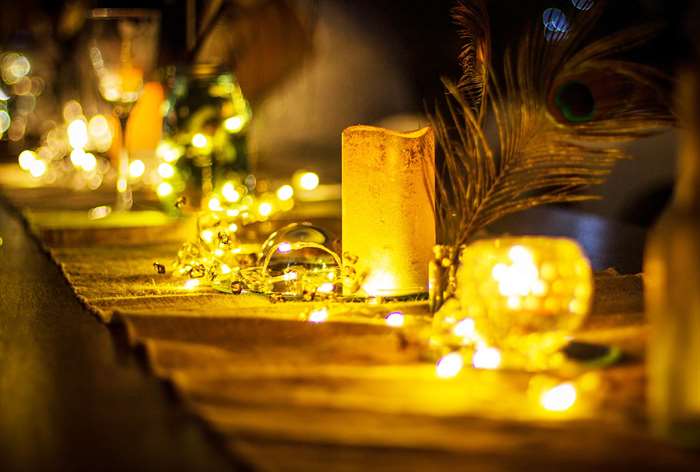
[575, 102]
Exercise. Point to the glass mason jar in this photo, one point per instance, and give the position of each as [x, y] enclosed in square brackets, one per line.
[205, 124]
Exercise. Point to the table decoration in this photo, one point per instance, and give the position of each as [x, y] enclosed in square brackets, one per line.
[205, 122]
[543, 154]
[388, 218]
[123, 49]
[525, 296]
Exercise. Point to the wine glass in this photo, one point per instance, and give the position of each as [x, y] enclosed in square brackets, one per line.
[123, 47]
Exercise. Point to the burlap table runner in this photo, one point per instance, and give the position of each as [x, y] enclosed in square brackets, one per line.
[285, 394]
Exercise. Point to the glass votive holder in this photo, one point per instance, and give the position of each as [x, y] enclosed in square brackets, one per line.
[525, 294]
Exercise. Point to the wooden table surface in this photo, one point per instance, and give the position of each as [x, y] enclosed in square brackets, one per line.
[72, 395]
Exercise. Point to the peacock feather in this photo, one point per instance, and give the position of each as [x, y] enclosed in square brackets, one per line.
[561, 108]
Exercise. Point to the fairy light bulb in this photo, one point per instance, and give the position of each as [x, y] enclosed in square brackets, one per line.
[449, 365]
[164, 189]
[559, 398]
[319, 315]
[37, 168]
[486, 358]
[214, 204]
[306, 180]
[136, 168]
[285, 192]
[26, 158]
[200, 141]
[89, 162]
[77, 134]
[229, 192]
[265, 209]
[234, 124]
[394, 319]
[191, 284]
[166, 171]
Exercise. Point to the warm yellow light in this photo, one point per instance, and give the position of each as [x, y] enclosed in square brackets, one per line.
[378, 283]
[465, 329]
[72, 110]
[265, 209]
[167, 152]
[284, 247]
[122, 184]
[233, 227]
[215, 204]
[325, 287]
[319, 315]
[26, 158]
[77, 157]
[77, 134]
[394, 319]
[89, 162]
[191, 284]
[449, 365]
[289, 276]
[166, 170]
[559, 398]
[308, 180]
[234, 124]
[207, 235]
[230, 193]
[136, 168]
[37, 168]
[285, 192]
[225, 269]
[164, 189]
[200, 141]
[486, 358]
[100, 133]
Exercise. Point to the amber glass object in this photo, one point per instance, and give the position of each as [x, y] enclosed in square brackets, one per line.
[672, 291]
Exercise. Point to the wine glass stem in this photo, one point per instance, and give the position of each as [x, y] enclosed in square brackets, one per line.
[124, 195]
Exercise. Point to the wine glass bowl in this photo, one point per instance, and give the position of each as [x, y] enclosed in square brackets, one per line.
[123, 49]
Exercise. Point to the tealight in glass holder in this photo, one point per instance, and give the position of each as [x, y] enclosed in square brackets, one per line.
[520, 294]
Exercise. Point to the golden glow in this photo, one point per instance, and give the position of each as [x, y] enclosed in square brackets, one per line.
[526, 293]
[449, 365]
[166, 170]
[121, 184]
[319, 315]
[200, 141]
[234, 124]
[486, 358]
[230, 193]
[378, 283]
[394, 319]
[307, 180]
[289, 276]
[164, 189]
[100, 133]
[325, 287]
[89, 162]
[99, 212]
[265, 209]
[72, 111]
[215, 204]
[191, 284]
[77, 156]
[285, 192]
[167, 152]
[233, 227]
[136, 168]
[559, 398]
[225, 269]
[284, 247]
[37, 168]
[207, 235]
[465, 329]
[26, 159]
[77, 134]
